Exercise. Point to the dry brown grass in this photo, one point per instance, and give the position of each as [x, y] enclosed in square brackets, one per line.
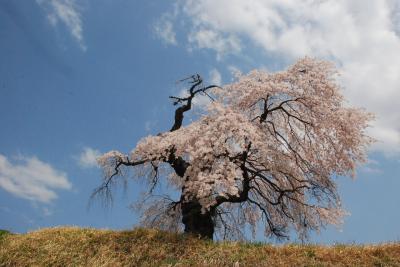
[72, 246]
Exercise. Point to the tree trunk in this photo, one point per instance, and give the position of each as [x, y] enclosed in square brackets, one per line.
[196, 222]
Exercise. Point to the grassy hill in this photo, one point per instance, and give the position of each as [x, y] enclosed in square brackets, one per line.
[72, 246]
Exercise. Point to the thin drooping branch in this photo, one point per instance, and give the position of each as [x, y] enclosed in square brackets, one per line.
[277, 231]
[104, 189]
[154, 181]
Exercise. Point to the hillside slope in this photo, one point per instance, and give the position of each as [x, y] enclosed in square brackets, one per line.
[72, 246]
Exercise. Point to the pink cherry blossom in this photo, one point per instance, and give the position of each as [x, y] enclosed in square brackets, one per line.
[266, 149]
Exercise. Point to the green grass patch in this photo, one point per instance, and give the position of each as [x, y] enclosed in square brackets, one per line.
[4, 233]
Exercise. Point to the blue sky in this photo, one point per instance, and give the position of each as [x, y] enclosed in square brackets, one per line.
[78, 78]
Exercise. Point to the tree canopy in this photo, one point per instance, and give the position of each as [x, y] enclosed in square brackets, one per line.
[266, 149]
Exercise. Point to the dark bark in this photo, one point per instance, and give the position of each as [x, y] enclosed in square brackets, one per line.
[196, 222]
[186, 102]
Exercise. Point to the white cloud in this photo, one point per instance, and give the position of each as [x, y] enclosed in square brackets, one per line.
[361, 36]
[394, 6]
[150, 125]
[215, 77]
[372, 166]
[32, 179]
[47, 212]
[67, 12]
[88, 157]
[164, 30]
[206, 38]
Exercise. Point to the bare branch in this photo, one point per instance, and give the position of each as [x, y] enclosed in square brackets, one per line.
[186, 102]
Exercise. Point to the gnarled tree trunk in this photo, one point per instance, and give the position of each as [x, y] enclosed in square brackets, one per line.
[196, 222]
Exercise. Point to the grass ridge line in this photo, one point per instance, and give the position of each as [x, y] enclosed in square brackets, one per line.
[74, 246]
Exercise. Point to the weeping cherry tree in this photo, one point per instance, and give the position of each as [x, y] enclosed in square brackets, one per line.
[264, 152]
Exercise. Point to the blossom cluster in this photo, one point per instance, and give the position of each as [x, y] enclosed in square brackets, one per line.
[283, 134]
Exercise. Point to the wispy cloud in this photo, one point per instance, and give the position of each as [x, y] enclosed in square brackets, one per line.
[394, 7]
[32, 179]
[88, 157]
[372, 166]
[211, 39]
[164, 29]
[361, 36]
[47, 212]
[149, 125]
[215, 77]
[68, 13]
